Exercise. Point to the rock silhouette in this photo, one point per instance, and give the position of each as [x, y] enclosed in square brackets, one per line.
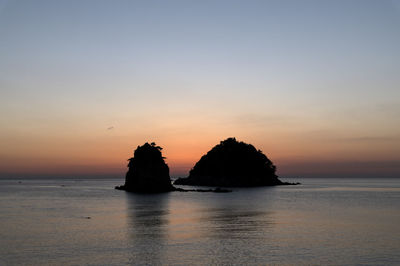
[232, 164]
[148, 172]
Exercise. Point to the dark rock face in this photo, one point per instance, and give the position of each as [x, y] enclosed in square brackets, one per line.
[148, 172]
[232, 164]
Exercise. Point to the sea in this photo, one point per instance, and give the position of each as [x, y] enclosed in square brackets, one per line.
[335, 221]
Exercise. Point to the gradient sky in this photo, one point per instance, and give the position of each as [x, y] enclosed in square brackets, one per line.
[313, 84]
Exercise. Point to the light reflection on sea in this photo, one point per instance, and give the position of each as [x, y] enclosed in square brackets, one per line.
[322, 221]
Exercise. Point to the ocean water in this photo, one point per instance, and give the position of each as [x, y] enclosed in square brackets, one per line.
[87, 222]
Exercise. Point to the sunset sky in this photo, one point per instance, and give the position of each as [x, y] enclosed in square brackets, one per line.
[314, 84]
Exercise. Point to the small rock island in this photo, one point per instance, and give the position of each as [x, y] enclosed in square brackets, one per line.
[148, 172]
[233, 164]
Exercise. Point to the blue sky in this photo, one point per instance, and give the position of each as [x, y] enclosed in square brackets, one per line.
[309, 82]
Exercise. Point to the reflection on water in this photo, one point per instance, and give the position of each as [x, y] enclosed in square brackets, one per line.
[231, 223]
[148, 226]
[322, 222]
[203, 227]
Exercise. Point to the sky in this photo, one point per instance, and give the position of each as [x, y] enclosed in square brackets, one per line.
[314, 84]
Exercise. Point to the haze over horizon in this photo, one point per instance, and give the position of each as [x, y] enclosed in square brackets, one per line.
[314, 84]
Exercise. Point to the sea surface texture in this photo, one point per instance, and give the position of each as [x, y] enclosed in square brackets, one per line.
[87, 222]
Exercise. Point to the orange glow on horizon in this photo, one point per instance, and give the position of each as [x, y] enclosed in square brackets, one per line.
[110, 157]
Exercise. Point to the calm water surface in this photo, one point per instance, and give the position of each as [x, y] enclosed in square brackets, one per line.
[87, 222]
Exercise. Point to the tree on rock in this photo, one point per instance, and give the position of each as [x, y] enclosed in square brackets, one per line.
[148, 172]
[232, 164]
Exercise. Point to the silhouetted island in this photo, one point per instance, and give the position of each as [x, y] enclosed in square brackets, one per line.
[233, 164]
[148, 173]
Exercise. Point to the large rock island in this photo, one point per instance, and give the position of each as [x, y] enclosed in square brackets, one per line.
[233, 164]
[148, 172]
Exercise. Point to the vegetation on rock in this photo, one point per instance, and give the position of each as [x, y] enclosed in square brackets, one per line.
[148, 172]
